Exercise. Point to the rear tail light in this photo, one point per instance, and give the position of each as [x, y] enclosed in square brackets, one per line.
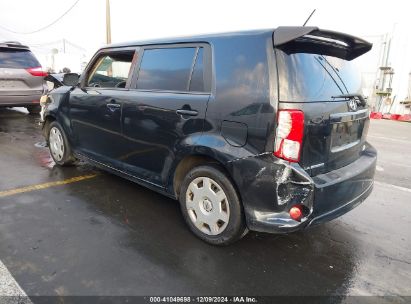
[289, 135]
[37, 71]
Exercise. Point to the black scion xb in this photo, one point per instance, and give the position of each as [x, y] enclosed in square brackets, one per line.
[262, 130]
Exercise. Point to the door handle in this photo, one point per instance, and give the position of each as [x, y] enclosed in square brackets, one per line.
[187, 112]
[113, 106]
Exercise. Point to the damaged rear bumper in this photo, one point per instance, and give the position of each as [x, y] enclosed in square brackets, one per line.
[269, 187]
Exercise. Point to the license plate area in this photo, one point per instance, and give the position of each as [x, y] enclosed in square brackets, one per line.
[10, 84]
[345, 135]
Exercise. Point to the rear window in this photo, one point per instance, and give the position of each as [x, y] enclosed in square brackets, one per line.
[17, 59]
[311, 77]
[166, 69]
[347, 72]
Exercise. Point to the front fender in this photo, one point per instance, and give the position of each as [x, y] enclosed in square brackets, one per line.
[51, 109]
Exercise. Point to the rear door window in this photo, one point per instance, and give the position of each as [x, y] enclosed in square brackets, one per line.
[167, 69]
[197, 77]
[306, 77]
[17, 59]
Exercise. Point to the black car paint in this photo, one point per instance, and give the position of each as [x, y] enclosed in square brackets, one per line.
[235, 127]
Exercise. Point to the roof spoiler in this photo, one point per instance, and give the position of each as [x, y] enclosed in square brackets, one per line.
[310, 39]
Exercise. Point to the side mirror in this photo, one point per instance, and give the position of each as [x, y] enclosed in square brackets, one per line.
[71, 79]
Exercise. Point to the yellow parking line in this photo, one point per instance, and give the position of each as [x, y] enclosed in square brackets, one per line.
[46, 185]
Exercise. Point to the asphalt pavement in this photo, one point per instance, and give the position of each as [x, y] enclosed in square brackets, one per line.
[80, 231]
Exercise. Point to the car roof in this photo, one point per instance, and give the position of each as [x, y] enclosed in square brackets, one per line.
[13, 45]
[324, 41]
[197, 38]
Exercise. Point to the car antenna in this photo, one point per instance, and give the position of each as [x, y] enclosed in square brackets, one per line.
[309, 17]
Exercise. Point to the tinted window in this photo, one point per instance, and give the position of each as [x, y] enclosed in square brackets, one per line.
[197, 78]
[166, 69]
[303, 77]
[347, 72]
[111, 71]
[17, 59]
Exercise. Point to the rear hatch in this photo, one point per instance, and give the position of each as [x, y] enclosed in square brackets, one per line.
[317, 75]
[20, 71]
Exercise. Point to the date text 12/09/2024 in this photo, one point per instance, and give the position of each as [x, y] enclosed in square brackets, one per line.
[202, 299]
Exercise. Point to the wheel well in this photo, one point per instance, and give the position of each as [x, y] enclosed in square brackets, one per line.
[188, 163]
[46, 126]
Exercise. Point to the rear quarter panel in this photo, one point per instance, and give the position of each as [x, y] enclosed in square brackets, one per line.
[242, 94]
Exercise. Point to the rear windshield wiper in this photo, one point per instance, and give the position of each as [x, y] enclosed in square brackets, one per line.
[352, 96]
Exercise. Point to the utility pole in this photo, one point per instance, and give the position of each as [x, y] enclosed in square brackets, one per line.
[108, 23]
[64, 45]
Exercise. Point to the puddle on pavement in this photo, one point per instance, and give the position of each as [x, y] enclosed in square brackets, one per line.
[42, 144]
[42, 155]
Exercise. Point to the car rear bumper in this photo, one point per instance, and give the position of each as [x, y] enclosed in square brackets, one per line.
[278, 185]
[19, 100]
[344, 208]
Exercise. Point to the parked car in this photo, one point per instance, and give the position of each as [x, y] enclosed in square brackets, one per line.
[21, 77]
[262, 130]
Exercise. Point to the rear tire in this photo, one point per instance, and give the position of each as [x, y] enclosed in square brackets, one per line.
[59, 146]
[211, 206]
[33, 110]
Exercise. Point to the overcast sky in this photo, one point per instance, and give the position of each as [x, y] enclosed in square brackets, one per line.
[84, 25]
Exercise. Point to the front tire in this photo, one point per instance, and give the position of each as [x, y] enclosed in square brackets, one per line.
[59, 147]
[211, 206]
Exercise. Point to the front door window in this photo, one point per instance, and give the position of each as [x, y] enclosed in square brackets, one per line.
[111, 71]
